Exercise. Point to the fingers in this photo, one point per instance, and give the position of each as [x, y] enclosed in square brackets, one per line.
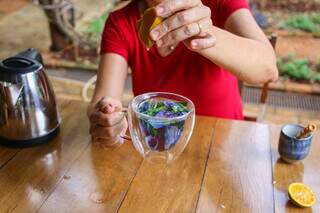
[98, 131]
[107, 112]
[202, 43]
[185, 32]
[180, 19]
[206, 26]
[106, 120]
[178, 35]
[108, 136]
[109, 105]
[185, 20]
[169, 7]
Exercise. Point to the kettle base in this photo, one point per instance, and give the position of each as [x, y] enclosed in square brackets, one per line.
[29, 142]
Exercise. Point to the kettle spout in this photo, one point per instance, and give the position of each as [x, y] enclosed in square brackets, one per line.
[10, 93]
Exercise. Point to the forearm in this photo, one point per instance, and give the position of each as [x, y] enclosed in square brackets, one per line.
[249, 60]
[111, 78]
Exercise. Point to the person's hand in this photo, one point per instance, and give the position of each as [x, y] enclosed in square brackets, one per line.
[187, 21]
[107, 122]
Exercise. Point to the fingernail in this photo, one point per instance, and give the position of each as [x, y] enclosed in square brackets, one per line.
[155, 34]
[159, 43]
[195, 44]
[160, 10]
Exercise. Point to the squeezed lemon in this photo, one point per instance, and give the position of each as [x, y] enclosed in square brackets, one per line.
[147, 23]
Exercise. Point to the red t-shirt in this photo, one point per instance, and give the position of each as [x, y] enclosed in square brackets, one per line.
[213, 90]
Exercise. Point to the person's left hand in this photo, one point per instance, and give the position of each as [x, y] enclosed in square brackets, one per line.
[187, 21]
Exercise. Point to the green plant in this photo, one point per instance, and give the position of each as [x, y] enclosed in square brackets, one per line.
[96, 26]
[318, 65]
[308, 23]
[298, 69]
[316, 18]
[315, 77]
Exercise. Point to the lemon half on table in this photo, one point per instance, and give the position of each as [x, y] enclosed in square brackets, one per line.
[301, 195]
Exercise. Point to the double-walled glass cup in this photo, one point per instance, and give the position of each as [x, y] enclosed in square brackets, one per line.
[160, 139]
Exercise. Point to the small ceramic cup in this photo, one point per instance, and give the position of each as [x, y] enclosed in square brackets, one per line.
[292, 149]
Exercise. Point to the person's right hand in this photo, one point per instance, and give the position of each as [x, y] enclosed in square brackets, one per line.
[107, 122]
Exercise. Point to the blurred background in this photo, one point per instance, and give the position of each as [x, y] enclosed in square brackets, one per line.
[67, 32]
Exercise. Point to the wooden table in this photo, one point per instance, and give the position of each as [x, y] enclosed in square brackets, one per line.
[228, 166]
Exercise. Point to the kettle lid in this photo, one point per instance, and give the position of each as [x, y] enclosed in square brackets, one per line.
[19, 64]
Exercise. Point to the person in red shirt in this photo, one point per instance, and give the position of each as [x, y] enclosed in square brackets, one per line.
[202, 49]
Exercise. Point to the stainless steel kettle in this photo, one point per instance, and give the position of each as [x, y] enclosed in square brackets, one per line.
[28, 109]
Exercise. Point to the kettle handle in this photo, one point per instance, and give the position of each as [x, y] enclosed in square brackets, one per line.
[31, 53]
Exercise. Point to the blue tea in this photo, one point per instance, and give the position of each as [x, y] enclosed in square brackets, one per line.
[161, 134]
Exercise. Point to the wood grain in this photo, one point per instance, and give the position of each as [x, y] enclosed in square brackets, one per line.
[98, 181]
[306, 171]
[230, 166]
[238, 174]
[28, 179]
[6, 154]
[175, 187]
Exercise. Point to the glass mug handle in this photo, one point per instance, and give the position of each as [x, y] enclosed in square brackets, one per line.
[125, 136]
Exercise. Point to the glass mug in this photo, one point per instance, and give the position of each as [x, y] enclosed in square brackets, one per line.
[159, 139]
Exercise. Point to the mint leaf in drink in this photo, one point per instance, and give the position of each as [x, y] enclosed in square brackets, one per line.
[163, 108]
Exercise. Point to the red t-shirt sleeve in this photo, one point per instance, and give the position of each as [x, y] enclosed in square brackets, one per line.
[113, 39]
[222, 9]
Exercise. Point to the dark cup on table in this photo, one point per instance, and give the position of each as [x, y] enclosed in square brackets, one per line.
[292, 149]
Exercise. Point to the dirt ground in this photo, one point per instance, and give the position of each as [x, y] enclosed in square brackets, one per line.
[9, 6]
[304, 46]
[24, 25]
[288, 5]
[24, 28]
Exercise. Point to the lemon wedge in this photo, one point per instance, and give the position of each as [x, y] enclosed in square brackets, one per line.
[146, 24]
